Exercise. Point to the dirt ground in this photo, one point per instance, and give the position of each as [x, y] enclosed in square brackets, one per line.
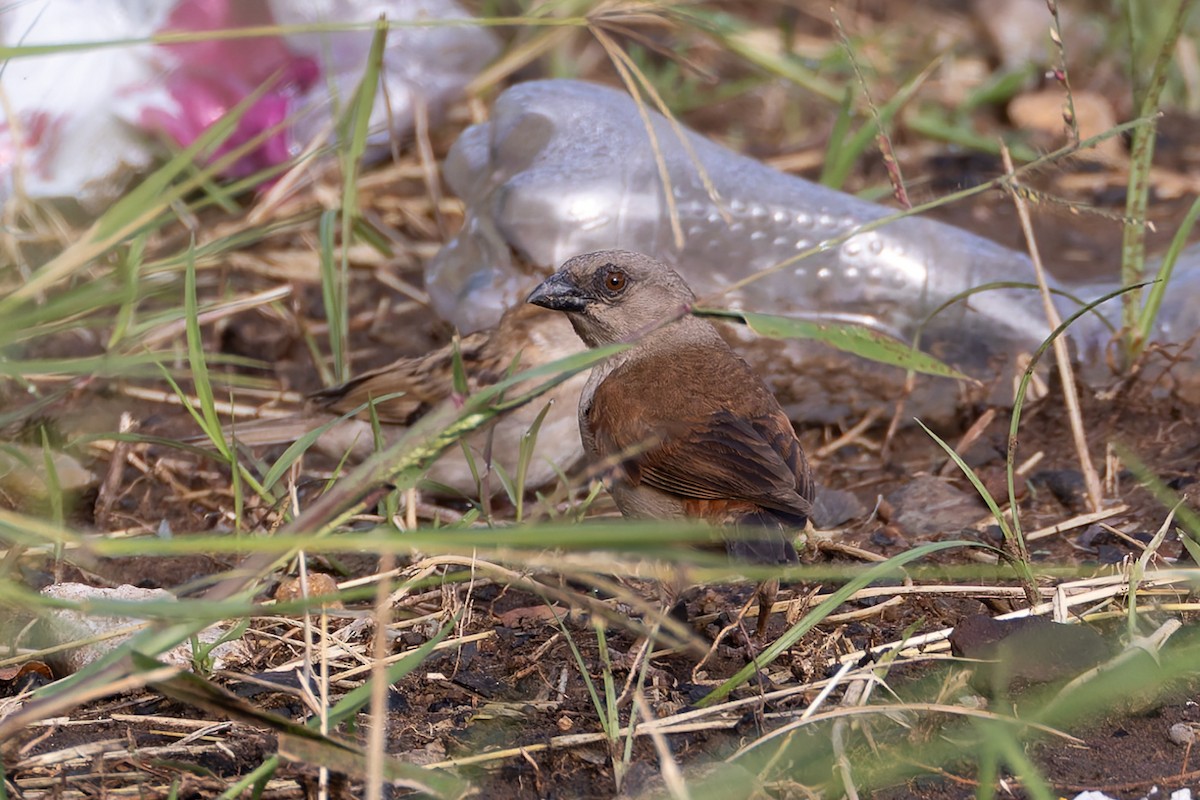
[512, 680]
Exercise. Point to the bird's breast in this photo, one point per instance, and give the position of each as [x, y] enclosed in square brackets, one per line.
[586, 398]
[644, 502]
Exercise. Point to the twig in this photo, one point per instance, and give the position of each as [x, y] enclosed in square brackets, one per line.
[850, 436]
[1061, 354]
[116, 469]
[837, 737]
[1076, 522]
[377, 732]
[969, 438]
[672, 776]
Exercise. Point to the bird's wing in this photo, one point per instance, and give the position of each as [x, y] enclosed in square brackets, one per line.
[525, 336]
[720, 456]
[407, 396]
[412, 385]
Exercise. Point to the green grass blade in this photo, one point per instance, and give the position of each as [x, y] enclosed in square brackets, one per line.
[1033, 784]
[857, 340]
[128, 268]
[593, 693]
[812, 618]
[734, 35]
[302, 445]
[993, 285]
[979, 487]
[357, 699]
[1023, 390]
[124, 366]
[1019, 555]
[353, 143]
[847, 155]
[1154, 298]
[1189, 518]
[137, 208]
[209, 420]
[458, 370]
[333, 295]
[833, 173]
[53, 485]
[528, 448]
[356, 125]
[1133, 244]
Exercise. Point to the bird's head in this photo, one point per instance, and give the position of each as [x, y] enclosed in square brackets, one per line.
[614, 295]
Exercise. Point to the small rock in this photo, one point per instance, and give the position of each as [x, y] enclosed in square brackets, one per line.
[26, 482]
[484, 685]
[68, 625]
[1067, 486]
[835, 507]
[257, 336]
[1017, 30]
[1026, 650]
[1041, 113]
[882, 538]
[1181, 482]
[995, 481]
[927, 505]
[983, 453]
[284, 682]
[1092, 537]
[532, 616]
[431, 753]
[1182, 734]
[315, 584]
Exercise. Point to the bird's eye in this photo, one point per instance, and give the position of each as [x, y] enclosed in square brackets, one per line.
[614, 280]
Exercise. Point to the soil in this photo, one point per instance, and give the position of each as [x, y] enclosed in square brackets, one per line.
[513, 678]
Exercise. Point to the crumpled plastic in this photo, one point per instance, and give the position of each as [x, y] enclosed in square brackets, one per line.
[565, 167]
[81, 123]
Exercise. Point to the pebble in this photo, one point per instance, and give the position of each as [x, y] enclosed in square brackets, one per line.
[24, 478]
[928, 506]
[1182, 734]
[834, 507]
[1026, 649]
[68, 625]
[1067, 486]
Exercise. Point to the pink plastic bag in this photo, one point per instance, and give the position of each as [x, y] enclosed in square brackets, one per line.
[81, 123]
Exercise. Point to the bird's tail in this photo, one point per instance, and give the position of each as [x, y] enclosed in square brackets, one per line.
[764, 537]
[262, 432]
[761, 537]
[353, 436]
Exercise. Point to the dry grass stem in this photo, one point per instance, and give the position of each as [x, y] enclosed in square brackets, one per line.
[668, 767]
[972, 435]
[1080, 521]
[1062, 353]
[851, 436]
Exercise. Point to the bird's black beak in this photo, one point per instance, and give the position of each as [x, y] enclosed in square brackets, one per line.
[558, 293]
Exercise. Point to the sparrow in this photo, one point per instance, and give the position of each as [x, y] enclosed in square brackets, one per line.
[692, 429]
[403, 391]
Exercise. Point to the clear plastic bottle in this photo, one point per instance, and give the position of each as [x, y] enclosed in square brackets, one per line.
[565, 167]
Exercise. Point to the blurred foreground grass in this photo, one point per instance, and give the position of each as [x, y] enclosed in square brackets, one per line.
[138, 298]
